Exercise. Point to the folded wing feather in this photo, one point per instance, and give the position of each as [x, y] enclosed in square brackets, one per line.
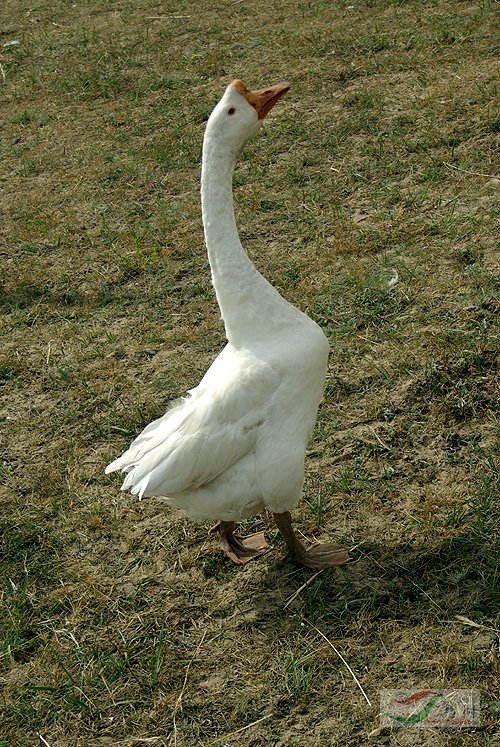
[206, 432]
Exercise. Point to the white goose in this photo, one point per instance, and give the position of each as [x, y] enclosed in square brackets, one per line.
[235, 444]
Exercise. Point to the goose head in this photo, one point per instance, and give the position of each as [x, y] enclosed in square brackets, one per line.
[239, 114]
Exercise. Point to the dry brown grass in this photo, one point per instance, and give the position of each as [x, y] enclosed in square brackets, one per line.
[122, 624]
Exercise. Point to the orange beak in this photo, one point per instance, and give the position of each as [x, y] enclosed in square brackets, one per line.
[264, 99]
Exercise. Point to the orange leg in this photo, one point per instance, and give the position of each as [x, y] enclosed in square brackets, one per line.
[239, 549]
[317, 556]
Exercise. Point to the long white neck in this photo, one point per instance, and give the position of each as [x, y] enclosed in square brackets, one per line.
[250, 306]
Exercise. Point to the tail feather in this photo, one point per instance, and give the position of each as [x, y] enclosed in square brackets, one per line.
[156, 433]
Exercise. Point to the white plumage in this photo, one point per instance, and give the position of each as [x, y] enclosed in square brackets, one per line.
[236, 443]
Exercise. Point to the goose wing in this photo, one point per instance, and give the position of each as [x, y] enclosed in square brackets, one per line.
[206, 432]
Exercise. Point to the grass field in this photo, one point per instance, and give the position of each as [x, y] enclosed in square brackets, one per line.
[121, 623]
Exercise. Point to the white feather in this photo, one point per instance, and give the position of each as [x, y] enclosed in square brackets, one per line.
[236, 443]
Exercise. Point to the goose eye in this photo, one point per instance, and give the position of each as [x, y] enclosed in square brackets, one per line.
[231, 110]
